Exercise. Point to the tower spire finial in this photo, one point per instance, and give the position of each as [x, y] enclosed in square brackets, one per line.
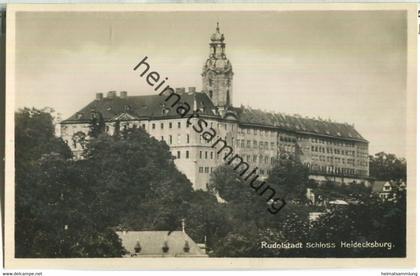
[217, 27]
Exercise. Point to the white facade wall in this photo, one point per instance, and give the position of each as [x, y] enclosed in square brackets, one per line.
[257, 146]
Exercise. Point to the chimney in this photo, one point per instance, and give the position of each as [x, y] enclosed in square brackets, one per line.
[191, 89]
[99, 96]
[123, 94]
[111, 94]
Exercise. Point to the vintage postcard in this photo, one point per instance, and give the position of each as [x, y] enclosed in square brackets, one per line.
[202, 136]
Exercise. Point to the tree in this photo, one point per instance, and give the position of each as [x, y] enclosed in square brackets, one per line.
[368, 222]
[206, 218]
[57, 212]
[96, 125]
[137, 181]
[34, 136]
[387, 166]
[290, 177]
[250, 222]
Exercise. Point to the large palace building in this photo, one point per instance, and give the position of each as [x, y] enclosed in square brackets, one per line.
[333, 151]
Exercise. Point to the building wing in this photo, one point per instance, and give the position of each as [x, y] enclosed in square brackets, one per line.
[298, 124]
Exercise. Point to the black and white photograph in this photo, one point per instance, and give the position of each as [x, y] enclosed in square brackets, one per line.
[210, 136]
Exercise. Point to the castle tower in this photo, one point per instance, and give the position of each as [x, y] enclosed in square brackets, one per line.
[217, 72]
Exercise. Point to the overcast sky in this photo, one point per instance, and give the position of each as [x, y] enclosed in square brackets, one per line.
[343, 65]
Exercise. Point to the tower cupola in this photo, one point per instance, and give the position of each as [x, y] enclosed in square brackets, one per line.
[217, 72]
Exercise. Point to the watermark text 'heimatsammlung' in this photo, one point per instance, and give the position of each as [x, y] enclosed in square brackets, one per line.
[209, 134]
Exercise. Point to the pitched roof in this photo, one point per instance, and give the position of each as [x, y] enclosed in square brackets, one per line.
[298, 124]
[378, 185]
[155, 107]
[152, 242]
[137, 107]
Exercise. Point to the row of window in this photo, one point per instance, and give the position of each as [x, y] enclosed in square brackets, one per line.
[289, 149]
[335, 143]
[331, 159]
[241, 143]
[331, 150]
[187, 154]
[178, 139]
[205, 169]
[333, 170]
[206, 155]
[213, 155]
[262, 159]
[336, 170]
[255, 131]
[162, 125]
[210, 170]
[288, 139]
[265, 133]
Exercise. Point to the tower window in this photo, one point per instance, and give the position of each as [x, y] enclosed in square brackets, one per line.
[210, 82]
[211, 94]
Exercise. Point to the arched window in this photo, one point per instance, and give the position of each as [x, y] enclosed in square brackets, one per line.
[211, 94]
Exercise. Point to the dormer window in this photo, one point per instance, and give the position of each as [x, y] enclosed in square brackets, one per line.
[79, 116]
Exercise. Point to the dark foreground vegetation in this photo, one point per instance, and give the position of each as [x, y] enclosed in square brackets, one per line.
[71, 208]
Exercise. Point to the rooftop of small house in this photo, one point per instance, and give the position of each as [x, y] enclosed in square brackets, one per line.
[160, 243]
